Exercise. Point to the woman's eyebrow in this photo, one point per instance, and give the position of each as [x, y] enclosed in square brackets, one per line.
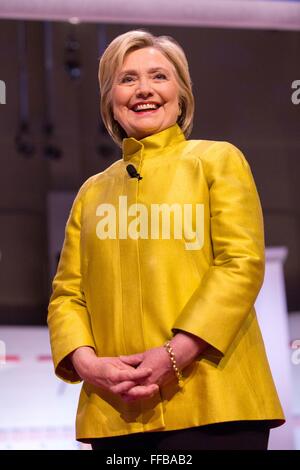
[151, 70]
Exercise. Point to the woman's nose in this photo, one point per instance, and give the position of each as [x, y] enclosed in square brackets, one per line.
[144, 88]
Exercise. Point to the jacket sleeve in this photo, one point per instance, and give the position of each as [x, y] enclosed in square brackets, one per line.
[68, 317]
[228, 290]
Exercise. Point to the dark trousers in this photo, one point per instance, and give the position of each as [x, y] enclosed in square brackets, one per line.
[236, 435]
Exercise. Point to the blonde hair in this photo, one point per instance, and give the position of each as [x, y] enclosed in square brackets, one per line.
[113, 58]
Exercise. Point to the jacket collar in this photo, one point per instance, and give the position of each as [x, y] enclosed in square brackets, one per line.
[152, 145]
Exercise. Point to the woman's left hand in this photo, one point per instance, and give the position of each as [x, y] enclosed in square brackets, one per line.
[187, 348]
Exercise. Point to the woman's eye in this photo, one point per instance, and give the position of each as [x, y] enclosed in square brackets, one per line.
[127, 79]
[160, 76]
[130, 78]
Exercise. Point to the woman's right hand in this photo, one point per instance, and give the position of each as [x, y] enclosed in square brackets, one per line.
[110, 373]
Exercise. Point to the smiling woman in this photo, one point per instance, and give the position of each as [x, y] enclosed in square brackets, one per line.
[165, 338]
[145, 96]
[143, 69]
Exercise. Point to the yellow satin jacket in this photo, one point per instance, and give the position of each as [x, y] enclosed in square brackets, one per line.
[122, 289]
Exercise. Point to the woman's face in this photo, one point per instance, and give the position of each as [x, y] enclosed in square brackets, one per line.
[145, 93]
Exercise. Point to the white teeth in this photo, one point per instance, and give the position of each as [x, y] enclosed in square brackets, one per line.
[145, 106]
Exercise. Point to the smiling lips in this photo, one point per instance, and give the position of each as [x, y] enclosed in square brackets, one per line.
[148, 106]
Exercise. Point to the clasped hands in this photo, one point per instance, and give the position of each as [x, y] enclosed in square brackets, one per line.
[132, 377]
[136, 376]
